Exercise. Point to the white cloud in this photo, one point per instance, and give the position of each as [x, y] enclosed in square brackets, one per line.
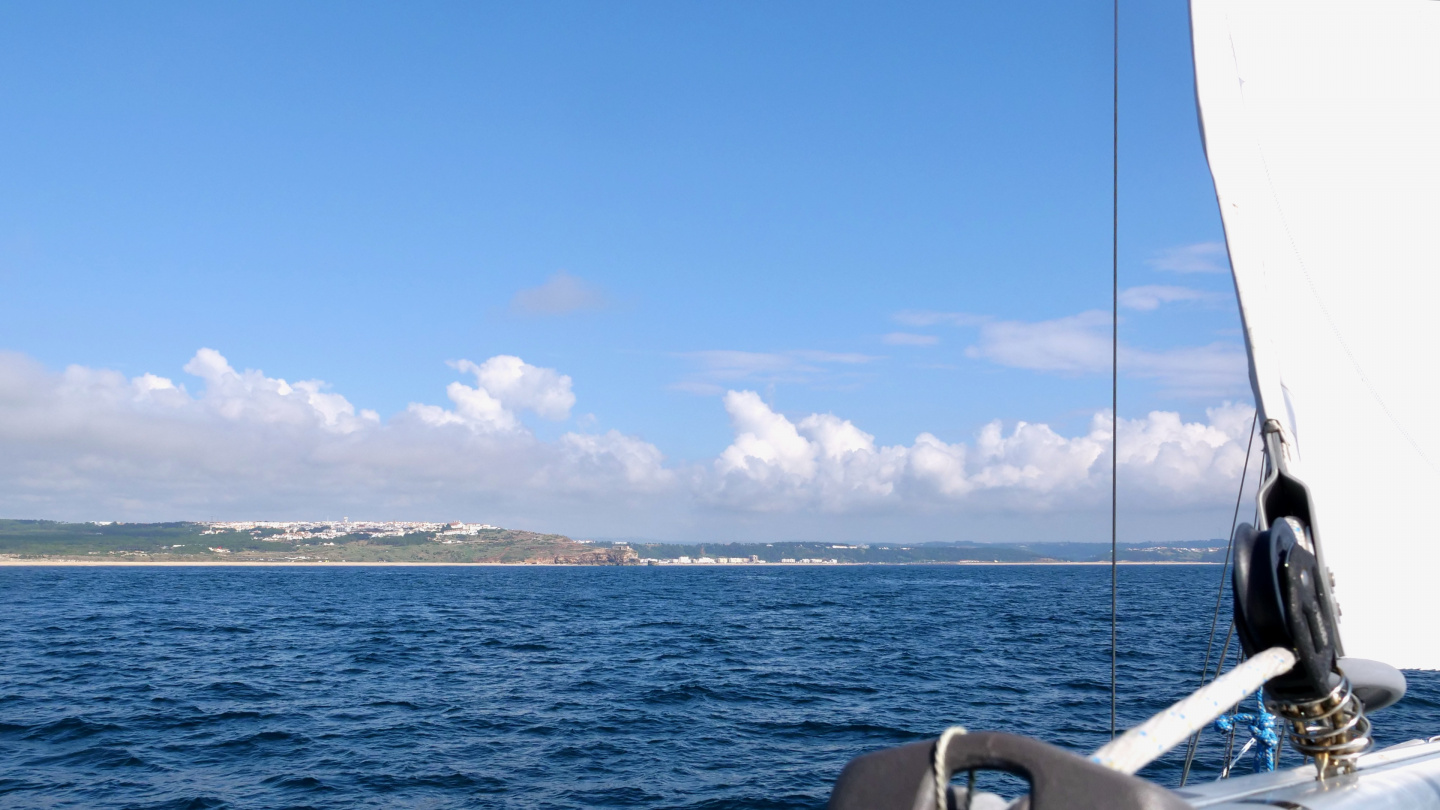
[561, 294]
[505, 385]
[475, 408]
[1166, 455]
[764, 440]
[1150, 297]
[522, 386]
[909, 339]
[1080, 344]
[92, 440]
[250, 395]
[93, 443]
[822, 462]
[596, 461]
[1201, 257]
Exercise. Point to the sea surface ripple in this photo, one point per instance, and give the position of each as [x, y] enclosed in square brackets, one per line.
[716, 687]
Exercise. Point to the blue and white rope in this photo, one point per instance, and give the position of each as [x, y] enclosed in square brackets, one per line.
[1148, 741]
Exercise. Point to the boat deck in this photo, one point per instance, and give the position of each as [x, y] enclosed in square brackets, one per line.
[1401, 776]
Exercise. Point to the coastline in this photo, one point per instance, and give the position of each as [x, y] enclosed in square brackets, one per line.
[78, 563]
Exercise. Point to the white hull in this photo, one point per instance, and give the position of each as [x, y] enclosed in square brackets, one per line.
[1403, 776]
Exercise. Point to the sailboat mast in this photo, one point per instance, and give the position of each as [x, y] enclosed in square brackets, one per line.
[1114, 349]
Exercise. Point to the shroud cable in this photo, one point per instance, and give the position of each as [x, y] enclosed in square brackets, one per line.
[1219, 597]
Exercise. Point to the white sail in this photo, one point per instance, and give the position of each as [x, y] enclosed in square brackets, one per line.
[1322, 129]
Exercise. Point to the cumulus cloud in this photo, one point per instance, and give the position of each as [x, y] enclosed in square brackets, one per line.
[94, 438]
[561, 294]
[1201, 257]
[522, 386]
[94, 443]
[826, 463]
[505, 386]
[250, 395]
[1080, 344]
[909, 339]
[1150, 297]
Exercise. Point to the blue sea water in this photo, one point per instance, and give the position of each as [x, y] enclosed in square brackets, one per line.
[566, 687]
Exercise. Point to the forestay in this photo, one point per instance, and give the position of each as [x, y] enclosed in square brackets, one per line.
[1322, 129]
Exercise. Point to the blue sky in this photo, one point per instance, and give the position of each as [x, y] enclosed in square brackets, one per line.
[851, 209]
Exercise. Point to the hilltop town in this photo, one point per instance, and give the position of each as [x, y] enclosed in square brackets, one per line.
[298, 542]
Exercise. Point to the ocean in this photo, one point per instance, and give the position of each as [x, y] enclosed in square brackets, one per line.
[530, 687]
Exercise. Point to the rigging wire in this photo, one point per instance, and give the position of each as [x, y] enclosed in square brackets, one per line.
[1194, 743]
[1114, 342]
